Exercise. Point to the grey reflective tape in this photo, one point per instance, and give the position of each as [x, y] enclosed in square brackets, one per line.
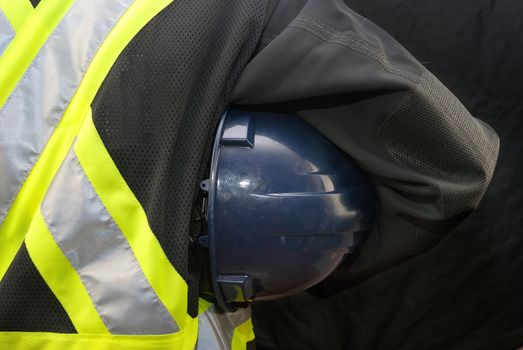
[216, 329]
[101, 255]
[7, 32]
[37, 103]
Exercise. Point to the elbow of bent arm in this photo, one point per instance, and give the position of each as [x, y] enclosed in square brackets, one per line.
[432, 133]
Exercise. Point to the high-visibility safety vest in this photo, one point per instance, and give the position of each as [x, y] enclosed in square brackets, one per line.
[64, 203]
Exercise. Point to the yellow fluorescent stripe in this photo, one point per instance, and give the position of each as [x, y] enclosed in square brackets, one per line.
[26, 44]
[203, 305]
[31, 194]
[13, 63]
[61, 278]
[242, 335]
[183, 340]
[19, 218]
[16, 11]
[128, 214]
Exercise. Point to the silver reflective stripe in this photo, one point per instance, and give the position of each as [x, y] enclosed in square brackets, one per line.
[7, 32]
[216, 329]
[38, 102]
[101, 255]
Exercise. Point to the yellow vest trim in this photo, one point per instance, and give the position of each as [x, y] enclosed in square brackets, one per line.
[203, 305]
[243, 334]
[130, 217]
[16, 11]
[27, 42]
[183, 340]
[61, 278]
[32, 192]
[13, 63]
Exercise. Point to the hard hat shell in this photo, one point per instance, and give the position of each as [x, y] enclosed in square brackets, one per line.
[285, 206]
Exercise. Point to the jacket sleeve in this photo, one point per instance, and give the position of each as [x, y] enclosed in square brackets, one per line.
[429, 159]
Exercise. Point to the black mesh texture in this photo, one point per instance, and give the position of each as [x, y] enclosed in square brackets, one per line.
[35, 2]
[26, 302]
[158, 108]
[459, 152]
[351, 40]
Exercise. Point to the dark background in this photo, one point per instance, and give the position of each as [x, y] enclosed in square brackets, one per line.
[467, 292]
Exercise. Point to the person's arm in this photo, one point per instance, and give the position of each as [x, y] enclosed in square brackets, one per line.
[430, 160]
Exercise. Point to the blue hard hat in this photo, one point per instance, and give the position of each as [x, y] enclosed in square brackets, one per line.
[285, 206]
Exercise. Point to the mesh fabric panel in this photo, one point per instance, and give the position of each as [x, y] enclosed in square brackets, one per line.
[455, 135]
[157, 110]
[26, 302]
